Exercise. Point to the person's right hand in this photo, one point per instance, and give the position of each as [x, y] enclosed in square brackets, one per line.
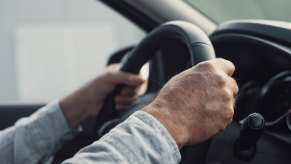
[197, 103]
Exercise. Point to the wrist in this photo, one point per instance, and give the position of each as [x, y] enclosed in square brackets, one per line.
[75, 110]
[168, 119]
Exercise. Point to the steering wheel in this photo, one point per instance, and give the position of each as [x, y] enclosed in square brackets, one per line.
[199, 48]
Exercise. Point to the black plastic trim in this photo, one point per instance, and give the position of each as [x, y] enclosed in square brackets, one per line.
[132, 14]
[276, 31]
[231, 36]
[10, 113]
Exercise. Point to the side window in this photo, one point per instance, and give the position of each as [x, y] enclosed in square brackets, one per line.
[49, 48]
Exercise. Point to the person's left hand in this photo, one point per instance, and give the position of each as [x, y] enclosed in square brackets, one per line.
[88, 100]
[113, 77]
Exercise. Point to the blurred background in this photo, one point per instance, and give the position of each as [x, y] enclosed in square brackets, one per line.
[224, 10]
[49, 48]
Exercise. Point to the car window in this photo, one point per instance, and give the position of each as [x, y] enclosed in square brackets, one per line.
[49, 48]
[223, 10]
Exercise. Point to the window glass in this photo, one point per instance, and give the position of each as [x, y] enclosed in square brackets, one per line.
[49, 48]
[223, 10]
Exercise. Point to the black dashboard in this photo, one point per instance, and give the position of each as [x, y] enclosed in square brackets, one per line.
[261, 52]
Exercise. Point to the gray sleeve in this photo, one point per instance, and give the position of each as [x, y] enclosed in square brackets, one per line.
[140, 139]
[34, 139]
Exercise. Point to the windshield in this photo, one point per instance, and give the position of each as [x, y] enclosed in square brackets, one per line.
[223, 10]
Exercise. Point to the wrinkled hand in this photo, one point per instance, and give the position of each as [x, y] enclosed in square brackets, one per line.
[197, 103]
[107, 82]
[88, 100]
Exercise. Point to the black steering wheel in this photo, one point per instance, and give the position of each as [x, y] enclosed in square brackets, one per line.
[199, 48]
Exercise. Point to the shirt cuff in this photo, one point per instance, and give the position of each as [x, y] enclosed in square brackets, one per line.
[139, 139]
[61, 128]
[47, 128]
[155, 124]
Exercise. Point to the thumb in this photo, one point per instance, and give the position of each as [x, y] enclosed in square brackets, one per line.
[126, 78]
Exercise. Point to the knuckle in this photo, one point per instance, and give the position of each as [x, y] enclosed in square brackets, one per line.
[220, 80]
[206, 66]
[227, 92]
[228, 63]
[227, 97]
[231, 65]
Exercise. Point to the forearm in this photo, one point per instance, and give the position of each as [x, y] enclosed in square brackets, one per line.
[140, 139]
[81, 105]
[35, 138]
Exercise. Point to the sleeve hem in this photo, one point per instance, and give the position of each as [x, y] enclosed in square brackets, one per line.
[152, 121]
[48, 129]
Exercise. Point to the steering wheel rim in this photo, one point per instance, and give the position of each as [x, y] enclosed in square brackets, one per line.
[199, 47]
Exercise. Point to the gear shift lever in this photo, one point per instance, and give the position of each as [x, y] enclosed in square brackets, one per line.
[252, 128]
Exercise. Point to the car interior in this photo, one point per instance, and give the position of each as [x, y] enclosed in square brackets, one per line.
[180, 36]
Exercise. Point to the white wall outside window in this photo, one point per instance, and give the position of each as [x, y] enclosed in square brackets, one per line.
[49, 48]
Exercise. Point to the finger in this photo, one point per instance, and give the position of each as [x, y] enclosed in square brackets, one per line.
[226, 65]
[233, 85]
[113, 67]
[130, 91]
[126, 78]
[124, 101]
[228, 111]
[121, 100]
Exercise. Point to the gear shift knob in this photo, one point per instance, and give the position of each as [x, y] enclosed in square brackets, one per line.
[252, 128]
